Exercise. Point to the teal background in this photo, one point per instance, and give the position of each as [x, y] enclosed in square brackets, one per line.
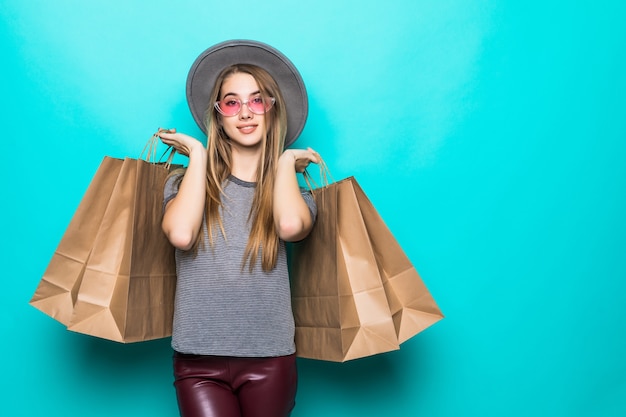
[490, 135]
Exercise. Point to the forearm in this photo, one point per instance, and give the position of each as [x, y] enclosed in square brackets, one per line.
[184, 214]
[292, 217]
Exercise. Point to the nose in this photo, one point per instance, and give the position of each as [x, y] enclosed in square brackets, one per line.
[245, 112]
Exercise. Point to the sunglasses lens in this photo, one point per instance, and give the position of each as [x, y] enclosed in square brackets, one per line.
[256, 105]
[229, 107]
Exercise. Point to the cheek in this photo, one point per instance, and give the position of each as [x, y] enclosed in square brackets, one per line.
[228, 128]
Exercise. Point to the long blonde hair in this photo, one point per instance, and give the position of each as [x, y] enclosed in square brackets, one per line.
[263, 239]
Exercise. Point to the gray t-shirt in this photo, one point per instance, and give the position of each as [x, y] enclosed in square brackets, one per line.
[221, 308]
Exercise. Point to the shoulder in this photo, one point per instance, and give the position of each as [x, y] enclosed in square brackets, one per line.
[310, 201]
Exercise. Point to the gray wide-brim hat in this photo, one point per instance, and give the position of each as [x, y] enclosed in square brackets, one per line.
[211, 62]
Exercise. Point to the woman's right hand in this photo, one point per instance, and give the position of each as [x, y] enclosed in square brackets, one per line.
[184, 144]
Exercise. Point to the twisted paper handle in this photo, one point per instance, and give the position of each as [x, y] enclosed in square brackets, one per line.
[149, 150]
[324, 177]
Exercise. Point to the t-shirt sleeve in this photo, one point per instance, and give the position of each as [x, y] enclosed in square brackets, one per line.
[310, 202]
[170, 190]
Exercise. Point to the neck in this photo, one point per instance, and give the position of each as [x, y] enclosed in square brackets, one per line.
[245, 163]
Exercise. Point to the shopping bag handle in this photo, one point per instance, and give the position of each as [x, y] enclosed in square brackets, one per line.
[325, 176]
[151, 147]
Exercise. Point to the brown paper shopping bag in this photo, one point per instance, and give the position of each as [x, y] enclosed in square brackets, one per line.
[127, 291]
[56, 293]
[412, 306]
[339, 303]
[126, 283]
[354, 291]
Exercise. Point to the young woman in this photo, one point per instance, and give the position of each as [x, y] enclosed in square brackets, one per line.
[228, 217]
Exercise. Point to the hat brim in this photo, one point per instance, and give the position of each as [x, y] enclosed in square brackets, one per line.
[212, 61]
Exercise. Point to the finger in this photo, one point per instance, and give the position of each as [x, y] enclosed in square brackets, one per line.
[316, 158]
[163, 131]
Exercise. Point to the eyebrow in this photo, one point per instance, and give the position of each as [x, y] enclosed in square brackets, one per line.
[235, 94]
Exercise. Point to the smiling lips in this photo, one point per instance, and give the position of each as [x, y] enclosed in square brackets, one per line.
[247, 128]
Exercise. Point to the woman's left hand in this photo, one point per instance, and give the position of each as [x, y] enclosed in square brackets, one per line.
[302, 158]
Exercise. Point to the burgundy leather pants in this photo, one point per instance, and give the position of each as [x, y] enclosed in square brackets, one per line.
[218, 386]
